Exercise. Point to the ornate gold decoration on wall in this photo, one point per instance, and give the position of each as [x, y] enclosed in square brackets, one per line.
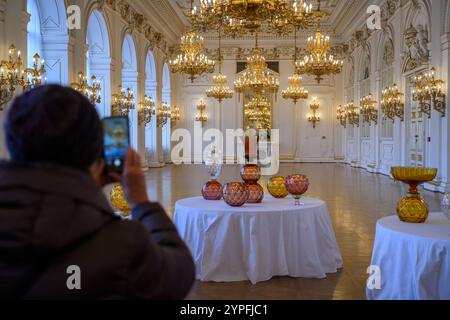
[391, 103]
[123, 102]
[35, 73]
[175, 115]
[146, 110]
[428, 91]
[201, 116]
[341, 115]
[369, 109]
[318, 61]
[352, 114]
[163, 115]
[314, 117]
[91, 91]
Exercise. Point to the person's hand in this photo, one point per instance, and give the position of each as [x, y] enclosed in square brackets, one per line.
[133, 180]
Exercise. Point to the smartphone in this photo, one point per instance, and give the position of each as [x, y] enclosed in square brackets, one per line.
[116, 142]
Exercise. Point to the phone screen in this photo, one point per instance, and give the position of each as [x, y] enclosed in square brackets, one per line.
[117, 141]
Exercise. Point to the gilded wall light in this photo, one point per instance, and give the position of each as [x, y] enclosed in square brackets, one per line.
[352, 114]
[175, 115]
[314, 117]
[369, 110]
[341, 115]
[162, 115]
[123, 102]
[391, 103]
[35, 73]
[146, 110]
[91, 91]
[11, 75]
[427, 91]
[201, 116]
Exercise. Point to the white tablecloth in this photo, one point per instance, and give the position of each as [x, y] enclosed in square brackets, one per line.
[414, 259]
[258, 241]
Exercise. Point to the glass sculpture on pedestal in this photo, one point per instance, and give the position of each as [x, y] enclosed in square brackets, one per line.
[413, 208]
[212, 190]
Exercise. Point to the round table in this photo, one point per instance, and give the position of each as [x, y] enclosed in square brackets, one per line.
[258, 241]
[413, 259]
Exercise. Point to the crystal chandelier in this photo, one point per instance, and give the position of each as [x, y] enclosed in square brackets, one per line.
[295, 91]
[257, 111]
[391, 103]
[220, 90]
[369, 110]
[243, 16]
[146, 111]
[318, 61]
[257, 77]
[427, 90]
[162, 115]
[123, 102]
[91, 91]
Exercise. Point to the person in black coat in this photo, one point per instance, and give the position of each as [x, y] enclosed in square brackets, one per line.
[59, 238]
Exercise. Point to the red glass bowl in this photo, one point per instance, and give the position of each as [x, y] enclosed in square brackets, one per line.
[212, 191]
[251, 173]
[235, 194]
[297, 185]
[256, 193]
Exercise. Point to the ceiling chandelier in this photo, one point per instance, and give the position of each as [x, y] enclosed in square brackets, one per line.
[318, 61]
[220, 90]
[192, 61]
[257, 111]
[295, 91]
[257, 77]
[243, 16]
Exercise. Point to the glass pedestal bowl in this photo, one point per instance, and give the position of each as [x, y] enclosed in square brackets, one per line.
[412, 208]
[297, 185]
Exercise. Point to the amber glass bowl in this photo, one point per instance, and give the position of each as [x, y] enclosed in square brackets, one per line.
[119, 201]
[413, 208]
[277, 187]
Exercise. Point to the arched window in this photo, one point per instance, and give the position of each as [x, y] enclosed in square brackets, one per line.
[387, 79]
[151, 139]
[98, 58]
[130, 80]
[34, 31]
[166, 97]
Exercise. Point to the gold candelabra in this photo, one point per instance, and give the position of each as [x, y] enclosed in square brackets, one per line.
[295, 91]
[91, 91]
[318, 61]
[391, 103]
[201, 116]
[163, 115]
[369, 110]
[123, 102]
[427, 91]
[11, 75]
[34, 74]
[341, 115]
[352, 114]
[146, 110]
[257, 111]
[175, 115]
[314, 117]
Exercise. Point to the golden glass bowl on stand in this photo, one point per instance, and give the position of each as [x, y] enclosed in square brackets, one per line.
[119, 201]
[413, 208]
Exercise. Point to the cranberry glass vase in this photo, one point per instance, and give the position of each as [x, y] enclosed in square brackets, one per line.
[297, 185]
[235, 194]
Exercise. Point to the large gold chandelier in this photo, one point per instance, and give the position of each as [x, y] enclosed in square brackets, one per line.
[243, 16]
[220, 89]
[192, 61]
[258, 111]
[257, 77]
[318, 61]
[295, 91]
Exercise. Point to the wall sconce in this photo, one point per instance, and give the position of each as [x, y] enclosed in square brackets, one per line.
[391, 103]
[201, 116]
[369, 110]
[162, 115]
[175, 115]
[314, 118]
[427, 91]
[91, 91]
[352, 114]
[35, 73]
[123, 102]
[146, 111]
[341, 115]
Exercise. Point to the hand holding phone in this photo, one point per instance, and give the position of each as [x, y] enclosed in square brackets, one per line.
[116, 143]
